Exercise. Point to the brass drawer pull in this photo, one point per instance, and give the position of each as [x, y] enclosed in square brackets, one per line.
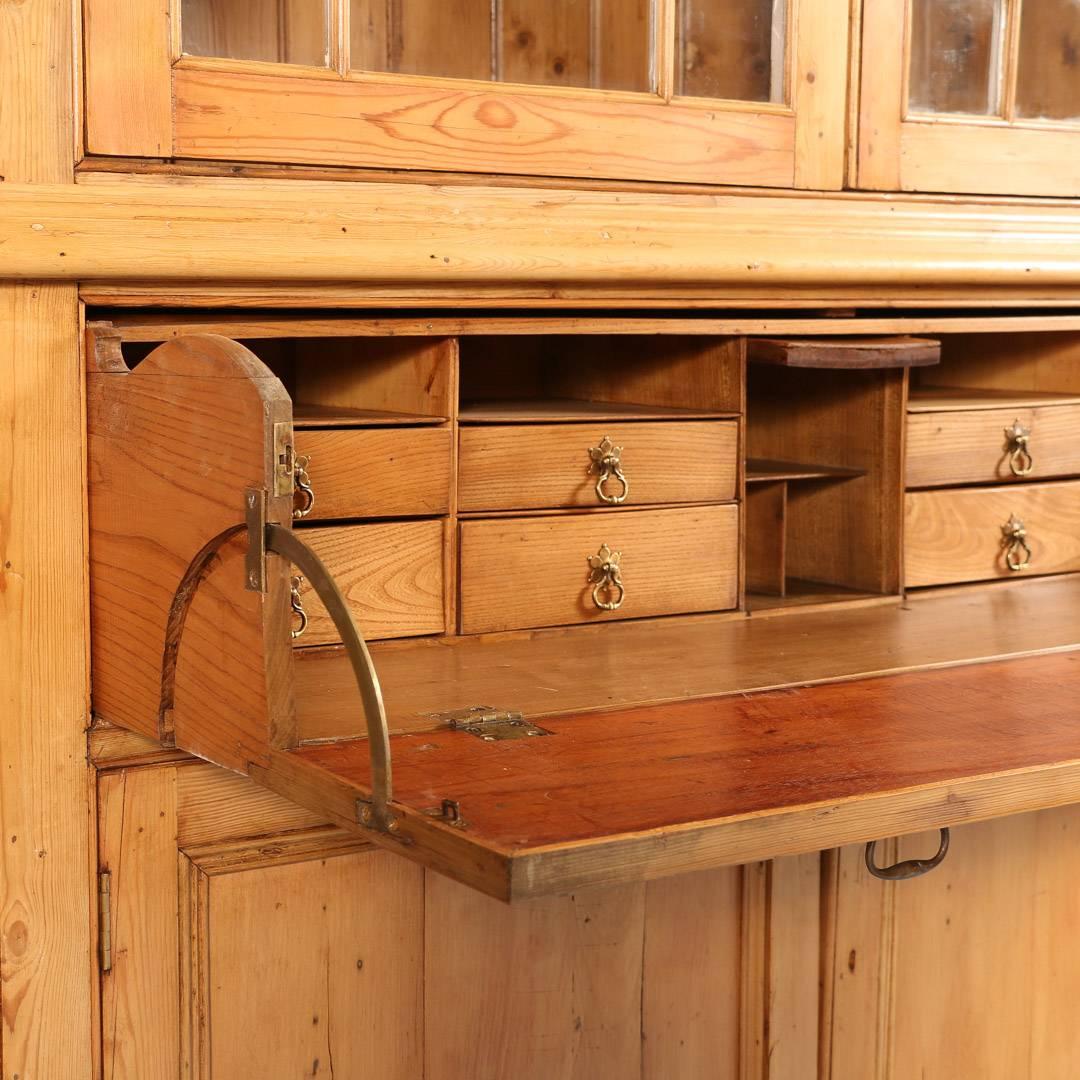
[909, 868]
[605, 580]
[302, 489]
[1016, 442]
[605, 459]
[297, 605]
[1014, 539]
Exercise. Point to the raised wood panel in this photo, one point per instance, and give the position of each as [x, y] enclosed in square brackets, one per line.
[397, 472]
[956, 535]
[534, 571]
[972, 447]
[391, 574]
[517, 467]
[969, 971]
[292, 954]
[316, 968]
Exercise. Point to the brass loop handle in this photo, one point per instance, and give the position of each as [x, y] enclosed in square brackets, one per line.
[297, 605]
[302, 489]
[605, 579]
[1016, 441]
[606, 459]
[1017, 549]
[909, 868]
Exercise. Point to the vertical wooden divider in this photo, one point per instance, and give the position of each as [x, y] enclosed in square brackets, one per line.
[46, 965]
[450, 548]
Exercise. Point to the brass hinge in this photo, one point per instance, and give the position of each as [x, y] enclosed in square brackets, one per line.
[105, 920]
[490, 724]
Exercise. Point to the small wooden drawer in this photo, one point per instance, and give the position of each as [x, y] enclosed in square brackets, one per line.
[974, 446]
[377, 472]
[390, 572]
[541, 466]
[526, 572]
[952, 536]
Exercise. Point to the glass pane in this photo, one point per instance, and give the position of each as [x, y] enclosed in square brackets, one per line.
[598, 43]
[283, 31]
[1048, 75]
[733, 49]
[956, 50]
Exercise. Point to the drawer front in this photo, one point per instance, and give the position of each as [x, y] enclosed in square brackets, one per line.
[525, 572]
[971, 447]
[952, 536]
[391, 574]
[540, 466]
[377, 472]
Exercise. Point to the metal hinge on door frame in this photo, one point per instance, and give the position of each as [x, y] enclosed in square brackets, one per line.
[490, 724]
[105, 921]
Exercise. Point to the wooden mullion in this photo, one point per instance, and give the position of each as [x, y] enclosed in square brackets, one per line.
[339, 44]
[664, 47]
[1010, 59]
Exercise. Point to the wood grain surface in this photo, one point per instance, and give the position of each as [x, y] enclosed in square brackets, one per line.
[722, 780]
[522, 467]
[956, 535]
[377, 472]
[970, 447]
[390, 572]
[523, 572]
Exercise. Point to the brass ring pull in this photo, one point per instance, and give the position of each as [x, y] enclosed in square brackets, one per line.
[302, 489]
[1016, 442]
[909, 868]
[605, 579]
[1017, 549]
[605, 459]
[297, 605]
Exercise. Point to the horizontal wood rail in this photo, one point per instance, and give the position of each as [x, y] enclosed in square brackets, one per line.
[437, 240]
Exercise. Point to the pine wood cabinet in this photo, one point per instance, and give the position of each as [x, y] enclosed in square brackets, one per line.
[714, 91]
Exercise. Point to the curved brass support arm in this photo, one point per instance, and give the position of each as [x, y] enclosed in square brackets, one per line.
[263, 537]
[289, 546]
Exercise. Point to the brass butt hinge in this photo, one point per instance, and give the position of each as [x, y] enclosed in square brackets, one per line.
[490, 724]
[105, 920]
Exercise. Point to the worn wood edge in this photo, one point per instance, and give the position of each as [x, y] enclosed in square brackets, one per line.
[327, 841]
[160, 326]
[558, 868]
[212, 229]
[420, 838]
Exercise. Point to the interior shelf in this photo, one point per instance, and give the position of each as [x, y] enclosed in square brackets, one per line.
[961, 398]
[335, 416]
[799, 593]
[762, 470]
[555, 410]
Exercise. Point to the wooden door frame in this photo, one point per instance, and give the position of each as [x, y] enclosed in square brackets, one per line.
[152, 101]
[900, 151]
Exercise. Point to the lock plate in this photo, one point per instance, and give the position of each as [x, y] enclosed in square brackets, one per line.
[491, 724]
[284, 459]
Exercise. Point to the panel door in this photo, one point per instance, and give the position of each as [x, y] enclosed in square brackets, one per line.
[977, 96]
[970, 971]
[249, 940]
[714, 91]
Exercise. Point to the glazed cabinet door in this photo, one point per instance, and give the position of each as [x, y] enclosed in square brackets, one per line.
[747, 92]
[243, 938]
[971, 96]
[969, 971]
